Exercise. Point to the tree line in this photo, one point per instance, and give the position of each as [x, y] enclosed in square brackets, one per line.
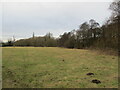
[89, 34]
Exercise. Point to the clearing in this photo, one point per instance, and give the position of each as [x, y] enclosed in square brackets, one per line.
[53, 67]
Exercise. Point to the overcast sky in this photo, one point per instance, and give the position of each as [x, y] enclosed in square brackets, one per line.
[21, 19]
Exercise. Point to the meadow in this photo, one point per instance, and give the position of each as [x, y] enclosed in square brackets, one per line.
[53, 67]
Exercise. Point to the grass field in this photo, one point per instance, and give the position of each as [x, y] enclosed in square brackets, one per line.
[51, 67]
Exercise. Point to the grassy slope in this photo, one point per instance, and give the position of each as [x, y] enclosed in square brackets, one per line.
[57, 68]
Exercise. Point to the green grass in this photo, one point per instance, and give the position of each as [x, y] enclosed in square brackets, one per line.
[51, 67]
